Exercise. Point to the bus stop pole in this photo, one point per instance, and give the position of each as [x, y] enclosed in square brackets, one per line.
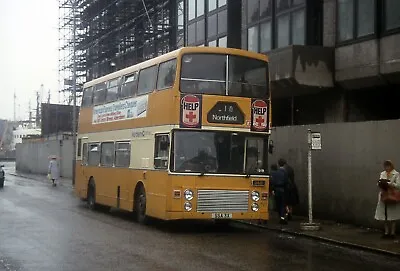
[310, 225]
[310, 209]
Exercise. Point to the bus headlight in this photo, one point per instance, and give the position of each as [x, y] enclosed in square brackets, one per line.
[255, 196]
[188, 194]
[187, 206]
[255, 207]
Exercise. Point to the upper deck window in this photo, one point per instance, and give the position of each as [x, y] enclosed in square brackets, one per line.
[224, 75]
[147, 80]
[247, 77]
[100, 91]
[203, 73]
[129, 86]
[87, 99]
[112, 91]
[166, 74]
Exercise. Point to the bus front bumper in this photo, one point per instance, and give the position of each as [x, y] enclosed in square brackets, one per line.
[217, 216]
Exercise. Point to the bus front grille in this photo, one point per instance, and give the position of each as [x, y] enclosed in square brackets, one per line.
[222, 201]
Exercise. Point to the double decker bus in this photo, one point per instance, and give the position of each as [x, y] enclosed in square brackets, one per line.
[182, 136]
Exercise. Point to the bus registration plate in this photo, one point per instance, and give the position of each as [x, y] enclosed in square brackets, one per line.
[221, 216]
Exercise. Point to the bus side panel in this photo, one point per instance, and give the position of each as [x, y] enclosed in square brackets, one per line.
[157, 185]
[80, 181]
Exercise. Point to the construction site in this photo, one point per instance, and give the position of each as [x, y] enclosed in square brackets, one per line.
[97, 37]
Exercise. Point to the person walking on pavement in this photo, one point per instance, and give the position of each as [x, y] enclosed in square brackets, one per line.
[53, 171]
[292, 195]
[278, 183]
[388, 212]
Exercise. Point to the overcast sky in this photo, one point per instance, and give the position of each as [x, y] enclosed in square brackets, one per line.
[28, 53]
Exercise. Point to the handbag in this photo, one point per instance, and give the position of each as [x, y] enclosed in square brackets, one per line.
[390, 196]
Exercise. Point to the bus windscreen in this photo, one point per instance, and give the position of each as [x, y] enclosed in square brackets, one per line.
[219, 152]
[208, 74]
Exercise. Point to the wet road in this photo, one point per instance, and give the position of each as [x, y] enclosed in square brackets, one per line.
[46, 228]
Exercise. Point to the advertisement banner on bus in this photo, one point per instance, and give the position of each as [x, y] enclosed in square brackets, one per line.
[259, 115]
[132, 108]
[190, 111]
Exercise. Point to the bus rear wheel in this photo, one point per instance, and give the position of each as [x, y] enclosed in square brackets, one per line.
[91, 196]
[140, 205]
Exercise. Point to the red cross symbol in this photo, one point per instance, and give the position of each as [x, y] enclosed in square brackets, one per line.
[260, 120]
[191, 116]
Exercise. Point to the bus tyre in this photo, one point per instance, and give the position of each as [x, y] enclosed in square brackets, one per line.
[91, 196]
[140, 205]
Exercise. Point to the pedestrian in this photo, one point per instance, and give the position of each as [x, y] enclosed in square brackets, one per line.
[278, 182]
[53, 171]
[388, 212]
[292, 194]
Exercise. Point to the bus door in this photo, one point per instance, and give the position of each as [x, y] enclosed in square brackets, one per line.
[84, 160]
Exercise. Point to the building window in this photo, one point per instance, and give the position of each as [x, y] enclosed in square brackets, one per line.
[191, 34]
[212, 25]
[122, 154]
[392, 14]
[298, 27]
[221, 3]
[274, 23]
[200, 34]
[265, 8]
[191, 9]
[181, 24]
[223, 42]
[253, 10]
[107, 154]
[266, 37]
[356, 19]
[212, 4]
[212, 43]
[161, 151]
[283, 31]
[200, 8]
[252, 39]
[222, 21]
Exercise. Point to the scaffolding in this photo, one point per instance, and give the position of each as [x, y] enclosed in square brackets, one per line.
[111, 35]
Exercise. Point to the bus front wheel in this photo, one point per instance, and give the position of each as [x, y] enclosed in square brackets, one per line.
[140, 205]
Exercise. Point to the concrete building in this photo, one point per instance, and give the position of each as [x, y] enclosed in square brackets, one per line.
[331, 60]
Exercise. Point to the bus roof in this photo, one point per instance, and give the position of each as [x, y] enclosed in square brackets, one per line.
[172, 55]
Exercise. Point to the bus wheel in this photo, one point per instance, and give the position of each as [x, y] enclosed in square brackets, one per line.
[91, 195]
[140, 205]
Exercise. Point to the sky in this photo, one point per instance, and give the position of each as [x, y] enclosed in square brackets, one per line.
[28, 54]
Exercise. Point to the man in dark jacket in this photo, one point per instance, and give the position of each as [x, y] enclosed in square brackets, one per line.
[278, 183]
[292, 195]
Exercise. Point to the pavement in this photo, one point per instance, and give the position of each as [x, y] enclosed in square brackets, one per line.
[48, 228]
[336, 233]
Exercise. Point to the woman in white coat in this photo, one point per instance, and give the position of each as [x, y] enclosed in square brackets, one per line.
[389, 212]
[53, 169]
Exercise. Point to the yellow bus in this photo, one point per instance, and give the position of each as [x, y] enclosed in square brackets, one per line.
[182, 136]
